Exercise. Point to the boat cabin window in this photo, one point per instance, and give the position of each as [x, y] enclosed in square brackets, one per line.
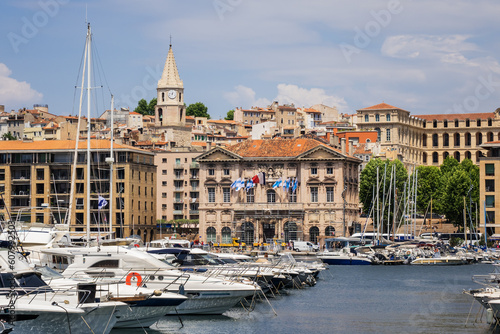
[106, 264]
[31, 280]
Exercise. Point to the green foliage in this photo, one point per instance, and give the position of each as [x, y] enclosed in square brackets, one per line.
[462, 182]
[145, 108]
[230, 115]
[8, 136]
[430, 185]
[368, 180]
[197, 109]
[456, 242]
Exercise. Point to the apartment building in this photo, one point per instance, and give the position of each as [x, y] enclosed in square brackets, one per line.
[36, 177]
[489, 181]
[429, 139]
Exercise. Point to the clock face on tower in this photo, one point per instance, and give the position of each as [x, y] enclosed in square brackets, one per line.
[172, 94]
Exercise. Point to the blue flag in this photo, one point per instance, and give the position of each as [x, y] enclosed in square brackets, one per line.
[277, 183]
[101, 202]
[249, 184]
[235, 183]
[295, 185]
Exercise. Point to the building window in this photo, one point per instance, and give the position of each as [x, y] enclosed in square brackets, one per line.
[456, 123]
[424, 140]
[226, 235]
[211, 172]
[489, 169]
[478, 122]
[164, 183]
[226, 171]
[250, 196]
[367, 118]
[378, 134]
[226, 194]
[211, 234]
[388, 117]
[457, 139]
[377, 118]
[329, 170]
[424, 158]
[489, 185]
[388, 135]
[292, 196]
[435, 140]
[489, 201]
[314, 194]
[467, 123]
[329, 194]
[271, 196]
[490, 217]
[435, 157]
[490, 122]
[434, 124]
[314, 171]
[164, 160]
[211, 195]
[445, 123]
[163, 195]
[446, 140]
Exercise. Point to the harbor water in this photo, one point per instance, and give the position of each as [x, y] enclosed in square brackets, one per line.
[357, 299]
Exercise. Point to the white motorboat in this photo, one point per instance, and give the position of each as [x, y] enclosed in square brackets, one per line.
[206, 295]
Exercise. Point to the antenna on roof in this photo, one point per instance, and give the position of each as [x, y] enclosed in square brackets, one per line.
[170, 40]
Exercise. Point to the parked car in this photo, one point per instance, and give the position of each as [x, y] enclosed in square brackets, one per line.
[304, 246]
[434, 216]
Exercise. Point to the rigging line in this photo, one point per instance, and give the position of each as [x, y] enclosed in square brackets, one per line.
[100, 64]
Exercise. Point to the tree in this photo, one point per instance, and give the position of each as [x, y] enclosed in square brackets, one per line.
[462, 181]
[230, 115]
[8, 136]
[145, 108]
[368, 180]
[197, 109]
[430, 185]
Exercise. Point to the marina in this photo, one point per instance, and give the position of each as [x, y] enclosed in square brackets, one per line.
[357, 299]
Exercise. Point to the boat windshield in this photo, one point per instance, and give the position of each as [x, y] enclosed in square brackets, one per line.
[32, 280]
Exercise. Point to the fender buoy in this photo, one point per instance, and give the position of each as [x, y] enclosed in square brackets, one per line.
[408, 252]
[136, 245]
[135, 276]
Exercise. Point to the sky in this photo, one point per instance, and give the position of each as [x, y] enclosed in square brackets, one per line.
[425, 56]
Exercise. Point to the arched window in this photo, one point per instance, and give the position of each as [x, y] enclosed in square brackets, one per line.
[468, 139]
[271, 196]
[160, 114]
[457, 156]
[435, 158]
[457, 139]
[163, 96]
[377, 118]
[445, 155]
[479, 138]
[247, 231]
[226, 235]
[489, 136]
[367, 118]
[424, 140]
[479, 155]
[468, 155]
[424, 158]
[434, 123]
[388, 117]
[290, 230]
[211, 234]
[313, 234]
[330, 231]
[435, 142]
[446, 140]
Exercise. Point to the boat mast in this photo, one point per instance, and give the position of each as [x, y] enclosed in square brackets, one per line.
[110, 161]
[88, 47]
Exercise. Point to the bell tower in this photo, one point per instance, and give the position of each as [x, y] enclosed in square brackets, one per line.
[170, 110]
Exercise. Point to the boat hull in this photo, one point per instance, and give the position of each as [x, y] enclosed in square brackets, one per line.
[345, 260]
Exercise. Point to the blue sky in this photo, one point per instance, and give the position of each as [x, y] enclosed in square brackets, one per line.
[425, 56]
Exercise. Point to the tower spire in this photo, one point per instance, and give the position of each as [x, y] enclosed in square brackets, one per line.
[170, 76]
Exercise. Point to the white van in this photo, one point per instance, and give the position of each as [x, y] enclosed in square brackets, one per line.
[304, 246]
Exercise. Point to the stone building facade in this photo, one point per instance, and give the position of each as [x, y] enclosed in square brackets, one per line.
[310, 208]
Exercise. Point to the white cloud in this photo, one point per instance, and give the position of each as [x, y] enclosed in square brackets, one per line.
[303, 97]
[13, 91]
[446, 48]
[244, 97]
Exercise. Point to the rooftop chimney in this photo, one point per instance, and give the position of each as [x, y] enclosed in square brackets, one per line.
[351, 147]
[342, 145]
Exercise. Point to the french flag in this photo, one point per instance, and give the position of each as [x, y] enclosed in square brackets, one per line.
[260, 178]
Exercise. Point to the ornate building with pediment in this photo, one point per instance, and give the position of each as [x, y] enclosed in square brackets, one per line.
[310, 208]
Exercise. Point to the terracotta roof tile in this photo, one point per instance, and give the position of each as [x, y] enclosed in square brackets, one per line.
[381, 106]
[452, 117]
[276, 147]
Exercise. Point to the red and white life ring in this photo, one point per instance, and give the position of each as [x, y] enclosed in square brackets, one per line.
[133, 276]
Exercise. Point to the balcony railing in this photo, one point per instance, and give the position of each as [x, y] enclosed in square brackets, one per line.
[179, 189]
[178, 200]
[268, 206]
[194, 212]
[178, 212]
